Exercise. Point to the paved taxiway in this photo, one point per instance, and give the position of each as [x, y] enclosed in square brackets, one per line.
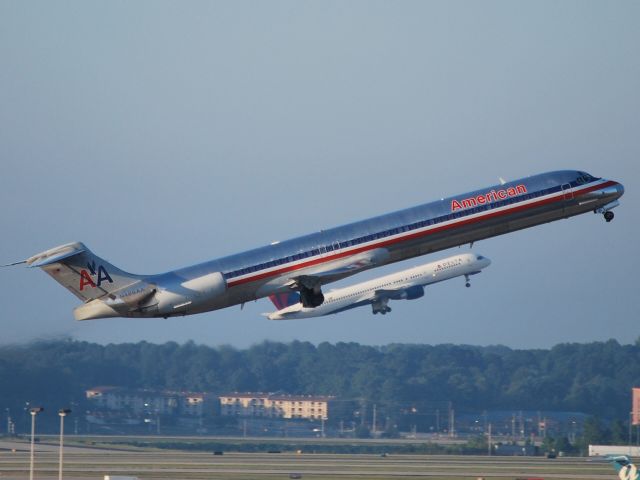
[94, 463]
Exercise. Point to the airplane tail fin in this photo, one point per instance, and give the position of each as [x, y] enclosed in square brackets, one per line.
[284, 300]
[626, 470]
[82, 272]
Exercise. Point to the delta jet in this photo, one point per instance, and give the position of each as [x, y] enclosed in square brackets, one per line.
[405, 285]
[305, 264]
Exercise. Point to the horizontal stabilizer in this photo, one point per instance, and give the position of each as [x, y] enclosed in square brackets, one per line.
[280, 315]
[56, 254]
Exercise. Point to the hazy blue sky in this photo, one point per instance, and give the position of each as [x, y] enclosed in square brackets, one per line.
[163, 134]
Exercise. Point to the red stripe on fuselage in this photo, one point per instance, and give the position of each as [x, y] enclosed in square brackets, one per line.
[458, 223]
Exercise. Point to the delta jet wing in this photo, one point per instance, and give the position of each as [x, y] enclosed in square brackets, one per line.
[380, 300]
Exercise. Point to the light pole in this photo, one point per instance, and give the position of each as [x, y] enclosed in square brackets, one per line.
[489, 448]
[33, 411]
[63, 412]
[630, 423]
[27, 407]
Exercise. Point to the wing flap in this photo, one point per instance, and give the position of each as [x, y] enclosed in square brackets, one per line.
[340, 268]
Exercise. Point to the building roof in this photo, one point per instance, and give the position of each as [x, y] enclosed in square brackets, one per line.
[104, 389]
[146, 392]
[302, 398]
[279, 397]
[246, 395]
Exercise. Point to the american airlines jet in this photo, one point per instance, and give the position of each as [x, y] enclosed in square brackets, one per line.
[405, 285]
[305, 264]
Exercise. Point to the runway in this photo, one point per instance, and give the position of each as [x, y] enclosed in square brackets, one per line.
[93, 463]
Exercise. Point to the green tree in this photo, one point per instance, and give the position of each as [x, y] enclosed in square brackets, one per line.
[594, 433]
[619, 432]
[562, 444]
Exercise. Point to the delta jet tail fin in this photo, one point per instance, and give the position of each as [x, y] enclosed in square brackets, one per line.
[284, 300]
[82, 272]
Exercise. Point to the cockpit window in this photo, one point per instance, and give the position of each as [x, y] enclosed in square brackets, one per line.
[479, 257]
[584, 177]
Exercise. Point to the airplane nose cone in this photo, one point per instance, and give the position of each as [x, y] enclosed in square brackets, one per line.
[619, 189]
[483, 261]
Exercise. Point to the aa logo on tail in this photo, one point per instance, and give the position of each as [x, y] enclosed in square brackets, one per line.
[87, 281]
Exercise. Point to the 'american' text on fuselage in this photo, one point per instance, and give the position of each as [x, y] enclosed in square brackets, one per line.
[492, 196]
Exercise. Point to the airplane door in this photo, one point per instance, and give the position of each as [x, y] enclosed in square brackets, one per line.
[566, 196]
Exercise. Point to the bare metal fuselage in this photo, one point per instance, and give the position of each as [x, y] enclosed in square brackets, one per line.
[313, 260]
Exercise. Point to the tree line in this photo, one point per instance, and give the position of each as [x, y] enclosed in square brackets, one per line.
[593, 378]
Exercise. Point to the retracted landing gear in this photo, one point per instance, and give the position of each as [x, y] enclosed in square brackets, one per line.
[467, 282]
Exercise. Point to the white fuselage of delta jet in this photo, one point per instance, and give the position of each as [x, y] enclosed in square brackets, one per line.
[405, 285]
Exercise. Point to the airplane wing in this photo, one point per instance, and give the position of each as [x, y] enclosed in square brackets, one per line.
[381, 297]
[390, 294]
[339, 268]
[351, 267]
[400, 293]
[309, 279]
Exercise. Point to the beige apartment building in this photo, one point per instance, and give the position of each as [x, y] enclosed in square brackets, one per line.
[150, 401]
[267, 405]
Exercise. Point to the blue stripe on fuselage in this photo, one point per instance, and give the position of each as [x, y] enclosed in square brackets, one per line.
[357, 233]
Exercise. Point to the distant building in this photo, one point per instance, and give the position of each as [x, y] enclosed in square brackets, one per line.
[268, 405]
[194, 404]
[604, 450]
[140, 401]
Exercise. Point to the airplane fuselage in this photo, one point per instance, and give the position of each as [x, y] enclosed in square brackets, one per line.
[306, 263]
[404, 285]
[406, 233]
